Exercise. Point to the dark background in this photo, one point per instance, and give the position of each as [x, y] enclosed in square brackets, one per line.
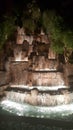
[63, 7]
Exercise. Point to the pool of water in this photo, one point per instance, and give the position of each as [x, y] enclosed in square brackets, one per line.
[64, 112]
[58, 115]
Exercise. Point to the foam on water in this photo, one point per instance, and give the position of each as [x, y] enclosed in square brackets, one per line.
[35, 111]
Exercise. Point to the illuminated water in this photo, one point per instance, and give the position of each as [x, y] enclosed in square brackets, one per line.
[64, 113]
[17, 110]
[61, 112]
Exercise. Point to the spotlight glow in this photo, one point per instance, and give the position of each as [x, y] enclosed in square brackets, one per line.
[40, 87]
[45, 69]
[20, 59]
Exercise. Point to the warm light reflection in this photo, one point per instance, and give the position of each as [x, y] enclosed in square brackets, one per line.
[19, 58]
[45, 69]
[36, 111]
[40, 87]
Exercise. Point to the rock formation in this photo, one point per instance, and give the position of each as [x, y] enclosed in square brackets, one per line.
[33, 66]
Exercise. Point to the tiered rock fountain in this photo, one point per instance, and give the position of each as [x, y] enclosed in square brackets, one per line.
[34, 82]
[36, 75]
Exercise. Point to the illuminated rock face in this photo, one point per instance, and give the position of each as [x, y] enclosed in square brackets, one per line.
[20, 35]
[32, 66]
[47, 78]
[4, 78]
[44, 64]
[38, 71]
[69, 73]
[35, 65]
[19, 74]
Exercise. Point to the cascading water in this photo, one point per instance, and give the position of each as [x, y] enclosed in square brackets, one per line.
[38, 86]
[47, 82]
[62, 112]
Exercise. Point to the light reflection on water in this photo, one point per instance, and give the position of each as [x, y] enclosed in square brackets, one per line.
[43, 88]
[57, 112]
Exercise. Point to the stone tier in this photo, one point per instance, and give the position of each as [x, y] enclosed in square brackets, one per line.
[42, 63]
[21, 74]
[46, 78]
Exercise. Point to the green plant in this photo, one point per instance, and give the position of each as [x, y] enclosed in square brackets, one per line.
[7, 27]
[67, 38]
[58, 47]
[31, 17]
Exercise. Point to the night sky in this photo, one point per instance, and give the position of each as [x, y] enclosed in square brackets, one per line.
[63, 7]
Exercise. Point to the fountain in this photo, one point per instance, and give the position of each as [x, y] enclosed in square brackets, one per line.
[39, 75]
[38, 83]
